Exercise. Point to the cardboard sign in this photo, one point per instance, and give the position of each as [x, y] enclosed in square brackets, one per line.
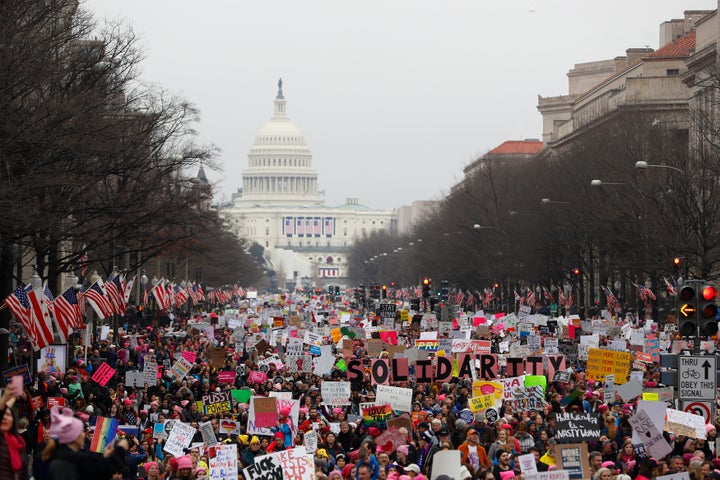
[265, 411]
[652, 439]
[179, 439]
[577, 427]
[223, 462]
[399, 399]
[603, 362]
[103, 374]
[217, 357]
[208, 434]
[574, 458]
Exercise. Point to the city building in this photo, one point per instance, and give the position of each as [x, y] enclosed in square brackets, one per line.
[279, 207]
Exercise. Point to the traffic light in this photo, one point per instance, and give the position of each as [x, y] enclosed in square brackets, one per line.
[677, 262]
[698, 311]
[415, 304]
[384, 291]
[707, 311]
[361, 294]
[576, 272]
[337, 290]
[426, 285]
[444, 291]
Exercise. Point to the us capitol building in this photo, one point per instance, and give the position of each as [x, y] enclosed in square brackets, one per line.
[306, 242]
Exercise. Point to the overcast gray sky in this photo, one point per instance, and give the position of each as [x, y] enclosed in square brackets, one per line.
[394, 96]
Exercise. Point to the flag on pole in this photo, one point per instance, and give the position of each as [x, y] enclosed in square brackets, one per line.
[40, 317]
[112, 292]
[161, 295]
[83, 262]
[19, 304]
[127, 286]
[98, 300]
[61, 327]
[671, 289]
[66, 309]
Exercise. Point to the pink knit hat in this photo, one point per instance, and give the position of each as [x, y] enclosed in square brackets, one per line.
[184, 462]
[149, 465]
[64, 426]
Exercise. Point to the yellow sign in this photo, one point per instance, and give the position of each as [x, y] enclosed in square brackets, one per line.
[608, 362]
[404, 315]
[653, 397]
[688, 310]
[336, 335]
[484, 387]
[482, 403]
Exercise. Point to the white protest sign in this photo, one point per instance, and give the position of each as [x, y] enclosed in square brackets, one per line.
[180, 368]
[446, 462]
[335, 393]
[311, 441]
[294, 346]
[398, 398]
[609, 396]
[223, 462]
[208, 435]
[527, 463]
[653, 440]
[179, 439]
[676, 419]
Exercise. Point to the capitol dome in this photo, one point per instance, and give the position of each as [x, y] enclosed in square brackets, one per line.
[280, 164]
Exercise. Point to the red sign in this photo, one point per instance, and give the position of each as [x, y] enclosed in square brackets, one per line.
[37, 402]
[103, 374]
[55, 401]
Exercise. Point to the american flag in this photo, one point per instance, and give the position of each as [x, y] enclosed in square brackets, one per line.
[328, 226]
[19, 305]
[193, 294]
[161, 295]
[83, 262]
[308, 226]
[671, 289]
[40, 317]
[67, 309]
[144, 295]
[317, 226]
[170, 292]
[516, 295]
[181, 296]
[530, 298]
[112, 292]
[612, 302]
[548, 295]
[300, 226]
[645, 293]
[200, 293]
[561, 296]
[288, 226]
[95, 294]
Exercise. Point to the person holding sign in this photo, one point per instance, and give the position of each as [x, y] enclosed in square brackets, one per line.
[68, 460]
[13, 460]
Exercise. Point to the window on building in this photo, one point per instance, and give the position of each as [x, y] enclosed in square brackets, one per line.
[329, 260]
[267, 244]
[267, 231]
[339, 260]
[671, 72]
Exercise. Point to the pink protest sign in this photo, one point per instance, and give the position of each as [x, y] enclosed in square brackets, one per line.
[498, 327]
[257, 377]
[226, 377]
[479, 321]
[389, 337]
[189, 356]
[103, 374]
[265, 411]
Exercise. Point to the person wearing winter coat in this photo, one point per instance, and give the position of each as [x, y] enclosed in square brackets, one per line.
[68, 460]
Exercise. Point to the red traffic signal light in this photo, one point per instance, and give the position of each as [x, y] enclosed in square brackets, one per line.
[576, 271]
[384, 287]
[677, 262]
[709, 293]
[426, 281]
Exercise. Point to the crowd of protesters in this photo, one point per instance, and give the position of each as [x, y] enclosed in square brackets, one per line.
[52, 443]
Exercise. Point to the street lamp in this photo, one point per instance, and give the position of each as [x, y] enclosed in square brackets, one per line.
[599, 183]
[642, 165]
[71, 279]
[547, 201]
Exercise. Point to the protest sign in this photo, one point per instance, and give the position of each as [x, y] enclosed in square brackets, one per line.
[217, 402]
[52, 359]
[180, 368]
[217, 357]
[208, 435]
[55, 402]
[551, 475]
[684, 423]
[335, 393]
[574, 458]
[377, 413]
[603, 362]
[652, 439]
[226, 377]
[298, 363]
[399, 399]
[446, 462]
[189, 356]
[229, 427]
[254, 429]
[37, 402]
[577, 427]
[527, 464]
[134, 378]
[23, 370]
[292, 464]
[481, 403]
[179, 439]
[257, 377]
[105, 431]
[265, 411]
[103, 374]
[311, 441]
[223, 462]
[242, 395]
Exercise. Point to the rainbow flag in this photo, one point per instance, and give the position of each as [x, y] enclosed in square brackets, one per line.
[105, 431]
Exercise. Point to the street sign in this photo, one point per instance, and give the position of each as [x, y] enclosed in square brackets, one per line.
[697, 378]
[688, 310]
[704, 409]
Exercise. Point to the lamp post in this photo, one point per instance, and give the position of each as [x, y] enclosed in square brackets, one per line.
[547, 201]
[641, 166]
[597, 183]
[90, 316]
